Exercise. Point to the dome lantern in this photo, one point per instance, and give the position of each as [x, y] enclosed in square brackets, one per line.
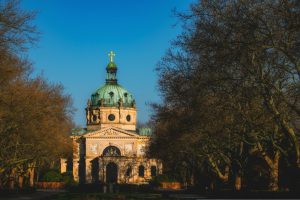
[111, 69]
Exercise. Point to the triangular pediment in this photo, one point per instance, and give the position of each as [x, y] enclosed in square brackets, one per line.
[111, 132]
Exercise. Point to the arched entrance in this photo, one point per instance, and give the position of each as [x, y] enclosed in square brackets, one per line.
[111, 173]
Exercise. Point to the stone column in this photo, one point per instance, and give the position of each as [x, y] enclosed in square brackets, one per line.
[88, 171]
[159, 167]
[75, 170]
[135, 172]
[63, 165]
[76, 152]
[148, 165]
[101, 170]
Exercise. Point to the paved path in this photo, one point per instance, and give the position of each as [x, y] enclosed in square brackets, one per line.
[39, 195]
[186, 196]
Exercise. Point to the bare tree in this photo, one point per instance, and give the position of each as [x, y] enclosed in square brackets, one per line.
[230, 85]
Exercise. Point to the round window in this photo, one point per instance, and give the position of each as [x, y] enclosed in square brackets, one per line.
[128, 118]
[111, 117]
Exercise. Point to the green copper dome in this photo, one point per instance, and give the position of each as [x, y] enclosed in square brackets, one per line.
[145, 131]
[112, 94]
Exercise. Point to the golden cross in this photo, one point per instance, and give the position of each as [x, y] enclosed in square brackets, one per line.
[111, 55]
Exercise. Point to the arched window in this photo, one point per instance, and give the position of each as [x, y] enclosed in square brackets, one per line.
[128, 171]
[153, 170]
[141, 171]
[111, 151]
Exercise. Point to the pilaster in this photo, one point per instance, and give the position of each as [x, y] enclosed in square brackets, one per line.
[76, 170]
[88, 171]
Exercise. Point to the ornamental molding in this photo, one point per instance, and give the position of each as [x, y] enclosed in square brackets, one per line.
[111, 132]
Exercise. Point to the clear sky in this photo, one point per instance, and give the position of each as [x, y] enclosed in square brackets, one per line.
[77, 35]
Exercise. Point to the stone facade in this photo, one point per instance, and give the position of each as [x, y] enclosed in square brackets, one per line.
[91, 150]
[97, 117]
[110, 150]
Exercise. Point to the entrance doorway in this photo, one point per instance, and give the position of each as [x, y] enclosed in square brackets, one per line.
[111, 173]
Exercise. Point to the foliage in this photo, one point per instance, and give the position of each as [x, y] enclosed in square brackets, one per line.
[68, 178]
[35, 115]
[52, 176]
[156, 180]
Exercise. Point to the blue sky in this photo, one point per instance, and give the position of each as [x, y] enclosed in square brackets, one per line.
[77, 35]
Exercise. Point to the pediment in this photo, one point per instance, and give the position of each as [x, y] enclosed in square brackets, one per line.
[110, 132]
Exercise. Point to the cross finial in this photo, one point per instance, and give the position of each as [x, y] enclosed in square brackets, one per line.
[111, 56]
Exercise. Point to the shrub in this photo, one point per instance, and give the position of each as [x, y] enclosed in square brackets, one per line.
[68, 179]
[52, 176]
[162, 178]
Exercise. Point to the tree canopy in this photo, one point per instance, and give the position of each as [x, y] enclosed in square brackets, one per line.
[35, 115]
[230, 89]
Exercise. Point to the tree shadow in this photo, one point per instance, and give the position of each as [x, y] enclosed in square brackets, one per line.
[95, 170]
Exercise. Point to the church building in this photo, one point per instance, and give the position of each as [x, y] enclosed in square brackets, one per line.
[111, 149]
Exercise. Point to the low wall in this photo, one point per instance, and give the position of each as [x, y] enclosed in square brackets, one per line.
[170, 185]
[50, 185]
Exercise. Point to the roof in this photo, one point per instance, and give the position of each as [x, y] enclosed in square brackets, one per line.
[78, 131]
[145, 131]
[112, 95]
[111, 65]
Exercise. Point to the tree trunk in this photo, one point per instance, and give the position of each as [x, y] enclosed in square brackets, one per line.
[238, 181]
[31, 171]
[273, 165]
[288, 130]
[52, 164]
[212, 186]
[31, 177]
[192, 179]
[274, 170]
[225, 176]
[37, 175]
[222, 176]
[21, 181]
[11, 181]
